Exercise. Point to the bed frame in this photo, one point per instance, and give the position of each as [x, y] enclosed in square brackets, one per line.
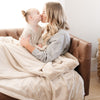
[79, 48]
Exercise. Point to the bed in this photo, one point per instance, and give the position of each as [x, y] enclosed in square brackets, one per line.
[79, 48]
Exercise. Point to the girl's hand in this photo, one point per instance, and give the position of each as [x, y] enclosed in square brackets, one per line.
[40, 45]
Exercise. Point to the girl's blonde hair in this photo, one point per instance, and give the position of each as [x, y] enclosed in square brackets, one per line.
[28, 12]
[55, 18]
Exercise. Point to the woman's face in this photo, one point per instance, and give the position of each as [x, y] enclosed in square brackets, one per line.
[44, 15]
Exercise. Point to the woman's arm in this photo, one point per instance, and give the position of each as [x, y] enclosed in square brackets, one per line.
[53, 50]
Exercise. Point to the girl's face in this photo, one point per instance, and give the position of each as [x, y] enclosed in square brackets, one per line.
[36, 17]
[44, 15]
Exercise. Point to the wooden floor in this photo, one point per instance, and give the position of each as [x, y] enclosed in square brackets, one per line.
[94, 87]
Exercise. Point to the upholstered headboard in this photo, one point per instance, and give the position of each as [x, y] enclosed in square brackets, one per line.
[79, 48]
[82, 50]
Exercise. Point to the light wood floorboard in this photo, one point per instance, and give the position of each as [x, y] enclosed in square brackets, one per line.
[94, 92]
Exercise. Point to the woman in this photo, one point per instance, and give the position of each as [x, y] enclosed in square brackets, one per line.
[57, 37]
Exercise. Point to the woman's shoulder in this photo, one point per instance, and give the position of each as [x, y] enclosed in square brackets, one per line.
[62, 33]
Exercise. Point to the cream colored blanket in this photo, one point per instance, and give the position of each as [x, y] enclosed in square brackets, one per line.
[24, 77]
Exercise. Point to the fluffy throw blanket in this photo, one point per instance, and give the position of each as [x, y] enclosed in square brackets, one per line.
[24, 77]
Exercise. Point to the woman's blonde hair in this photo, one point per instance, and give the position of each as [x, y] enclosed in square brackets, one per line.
[56, 19]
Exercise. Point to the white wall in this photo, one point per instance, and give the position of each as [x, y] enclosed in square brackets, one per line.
[10, 11]
[84, 21]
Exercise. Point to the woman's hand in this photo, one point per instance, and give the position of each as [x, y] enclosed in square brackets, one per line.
[25, 43]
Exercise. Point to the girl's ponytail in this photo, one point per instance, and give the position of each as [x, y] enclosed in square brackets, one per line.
[24, 13]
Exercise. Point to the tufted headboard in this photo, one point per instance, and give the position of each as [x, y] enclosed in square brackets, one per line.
[82, 51]
[79, 48]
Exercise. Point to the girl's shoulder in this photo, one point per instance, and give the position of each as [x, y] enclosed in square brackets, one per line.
[40, 28]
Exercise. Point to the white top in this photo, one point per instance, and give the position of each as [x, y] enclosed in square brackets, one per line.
[35, 34]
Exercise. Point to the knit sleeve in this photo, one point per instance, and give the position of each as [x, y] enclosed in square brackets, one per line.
[53, 50]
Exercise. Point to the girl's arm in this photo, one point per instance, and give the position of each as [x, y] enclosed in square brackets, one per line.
[25, 43]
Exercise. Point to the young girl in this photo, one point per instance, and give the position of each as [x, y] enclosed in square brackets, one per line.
[32, 17]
